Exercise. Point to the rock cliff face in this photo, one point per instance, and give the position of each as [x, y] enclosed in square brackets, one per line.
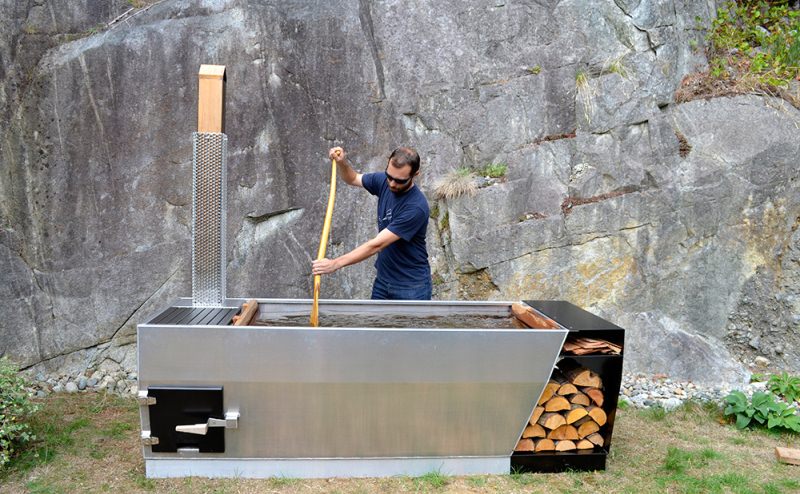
[677, 221]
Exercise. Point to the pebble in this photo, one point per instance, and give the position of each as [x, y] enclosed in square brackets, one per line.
[639, 390]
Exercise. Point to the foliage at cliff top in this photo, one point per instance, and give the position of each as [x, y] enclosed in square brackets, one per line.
[753, 46]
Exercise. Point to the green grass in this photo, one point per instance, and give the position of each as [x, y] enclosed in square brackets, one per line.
[433, 480]
[494, 170]
[92, 446]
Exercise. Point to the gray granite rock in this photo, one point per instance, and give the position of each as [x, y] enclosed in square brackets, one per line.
[678, 222]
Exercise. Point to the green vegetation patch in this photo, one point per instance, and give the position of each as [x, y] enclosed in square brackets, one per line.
[756, 38]
[15, 410]
[753, 47]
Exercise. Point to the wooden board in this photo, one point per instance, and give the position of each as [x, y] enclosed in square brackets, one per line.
[788, 455]
[211, 99]
[531, 318]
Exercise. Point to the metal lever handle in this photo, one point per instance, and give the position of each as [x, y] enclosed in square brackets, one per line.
[200, 429]
[231, 421]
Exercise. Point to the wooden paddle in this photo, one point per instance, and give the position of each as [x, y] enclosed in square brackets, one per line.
[323, 244]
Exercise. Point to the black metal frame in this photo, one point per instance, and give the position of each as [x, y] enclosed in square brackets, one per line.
[609, 367]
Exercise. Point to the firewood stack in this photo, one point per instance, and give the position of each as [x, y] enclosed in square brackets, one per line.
[569, 415]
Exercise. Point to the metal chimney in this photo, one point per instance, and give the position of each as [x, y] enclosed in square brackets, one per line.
[209, 152]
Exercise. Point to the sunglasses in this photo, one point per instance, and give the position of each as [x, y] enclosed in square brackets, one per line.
[398, 181]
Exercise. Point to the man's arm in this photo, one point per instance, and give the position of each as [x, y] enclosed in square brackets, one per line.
[363, 251]
[349, 176]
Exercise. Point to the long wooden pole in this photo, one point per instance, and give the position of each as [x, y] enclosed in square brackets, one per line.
[323, 244]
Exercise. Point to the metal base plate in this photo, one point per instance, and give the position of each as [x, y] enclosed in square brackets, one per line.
[310, 468]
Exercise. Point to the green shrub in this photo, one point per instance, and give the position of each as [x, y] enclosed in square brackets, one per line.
[785, 386]
[759, 38]
[763, 410]
[494, 170]
[15, 407]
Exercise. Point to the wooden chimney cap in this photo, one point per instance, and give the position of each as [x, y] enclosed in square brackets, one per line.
[211, 99]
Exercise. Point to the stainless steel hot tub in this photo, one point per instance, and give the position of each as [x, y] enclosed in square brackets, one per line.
[336, 401]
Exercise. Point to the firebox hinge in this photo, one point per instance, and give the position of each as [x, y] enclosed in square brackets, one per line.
[145, 400]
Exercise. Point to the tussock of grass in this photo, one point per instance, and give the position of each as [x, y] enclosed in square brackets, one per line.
[458, 183]
[584, 94]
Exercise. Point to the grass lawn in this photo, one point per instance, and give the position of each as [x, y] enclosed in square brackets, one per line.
[89, 443]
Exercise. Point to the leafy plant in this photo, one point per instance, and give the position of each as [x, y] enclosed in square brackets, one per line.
[756, 38]
[494, 170]
[15, 407]
[763, 410]
[785, 386]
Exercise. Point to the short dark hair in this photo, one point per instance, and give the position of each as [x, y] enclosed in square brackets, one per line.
[403, 156]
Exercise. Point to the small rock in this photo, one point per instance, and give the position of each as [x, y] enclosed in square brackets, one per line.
[58, 388]
[671, 404]
[40, 394]
[82, 383]
[761, 361]
[134, 389]
[71, 387]
[92, 382]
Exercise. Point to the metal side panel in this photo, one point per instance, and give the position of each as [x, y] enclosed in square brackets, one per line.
[322, 393]
[315, 469]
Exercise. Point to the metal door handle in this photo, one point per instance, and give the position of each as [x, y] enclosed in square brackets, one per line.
[231, 421]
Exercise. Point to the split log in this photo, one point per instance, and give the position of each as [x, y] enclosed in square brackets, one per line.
[582, 376]
[525, 445]
[566, 445]
[585, 444]
[544, 445]
[567, 389]
[788, 455]
[596, 439]
[564, 432]
[247, 313]
[587, 428]
[552, 420]
[537, 412]
[535, 430]
[549, 390]
[597, 414]
[595, 394]
[576, 413]
[580, 399]
[556, 404]
[531, 318]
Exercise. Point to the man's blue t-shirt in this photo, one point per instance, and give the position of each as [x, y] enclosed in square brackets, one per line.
[404, 262]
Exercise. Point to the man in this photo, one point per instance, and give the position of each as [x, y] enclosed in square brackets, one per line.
[402, 264]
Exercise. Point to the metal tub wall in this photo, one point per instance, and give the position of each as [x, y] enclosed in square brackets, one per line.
[357, 392]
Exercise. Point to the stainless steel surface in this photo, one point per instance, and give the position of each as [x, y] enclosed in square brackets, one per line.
[326, 468]
[208, 218]
[359, 392]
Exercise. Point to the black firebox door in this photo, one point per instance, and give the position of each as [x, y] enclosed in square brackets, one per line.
[176, 406]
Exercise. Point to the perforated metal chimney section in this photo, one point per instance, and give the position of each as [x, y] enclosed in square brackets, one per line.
[209, 151]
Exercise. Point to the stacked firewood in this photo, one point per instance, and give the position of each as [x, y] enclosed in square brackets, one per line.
[589, 346]
[569, 415]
